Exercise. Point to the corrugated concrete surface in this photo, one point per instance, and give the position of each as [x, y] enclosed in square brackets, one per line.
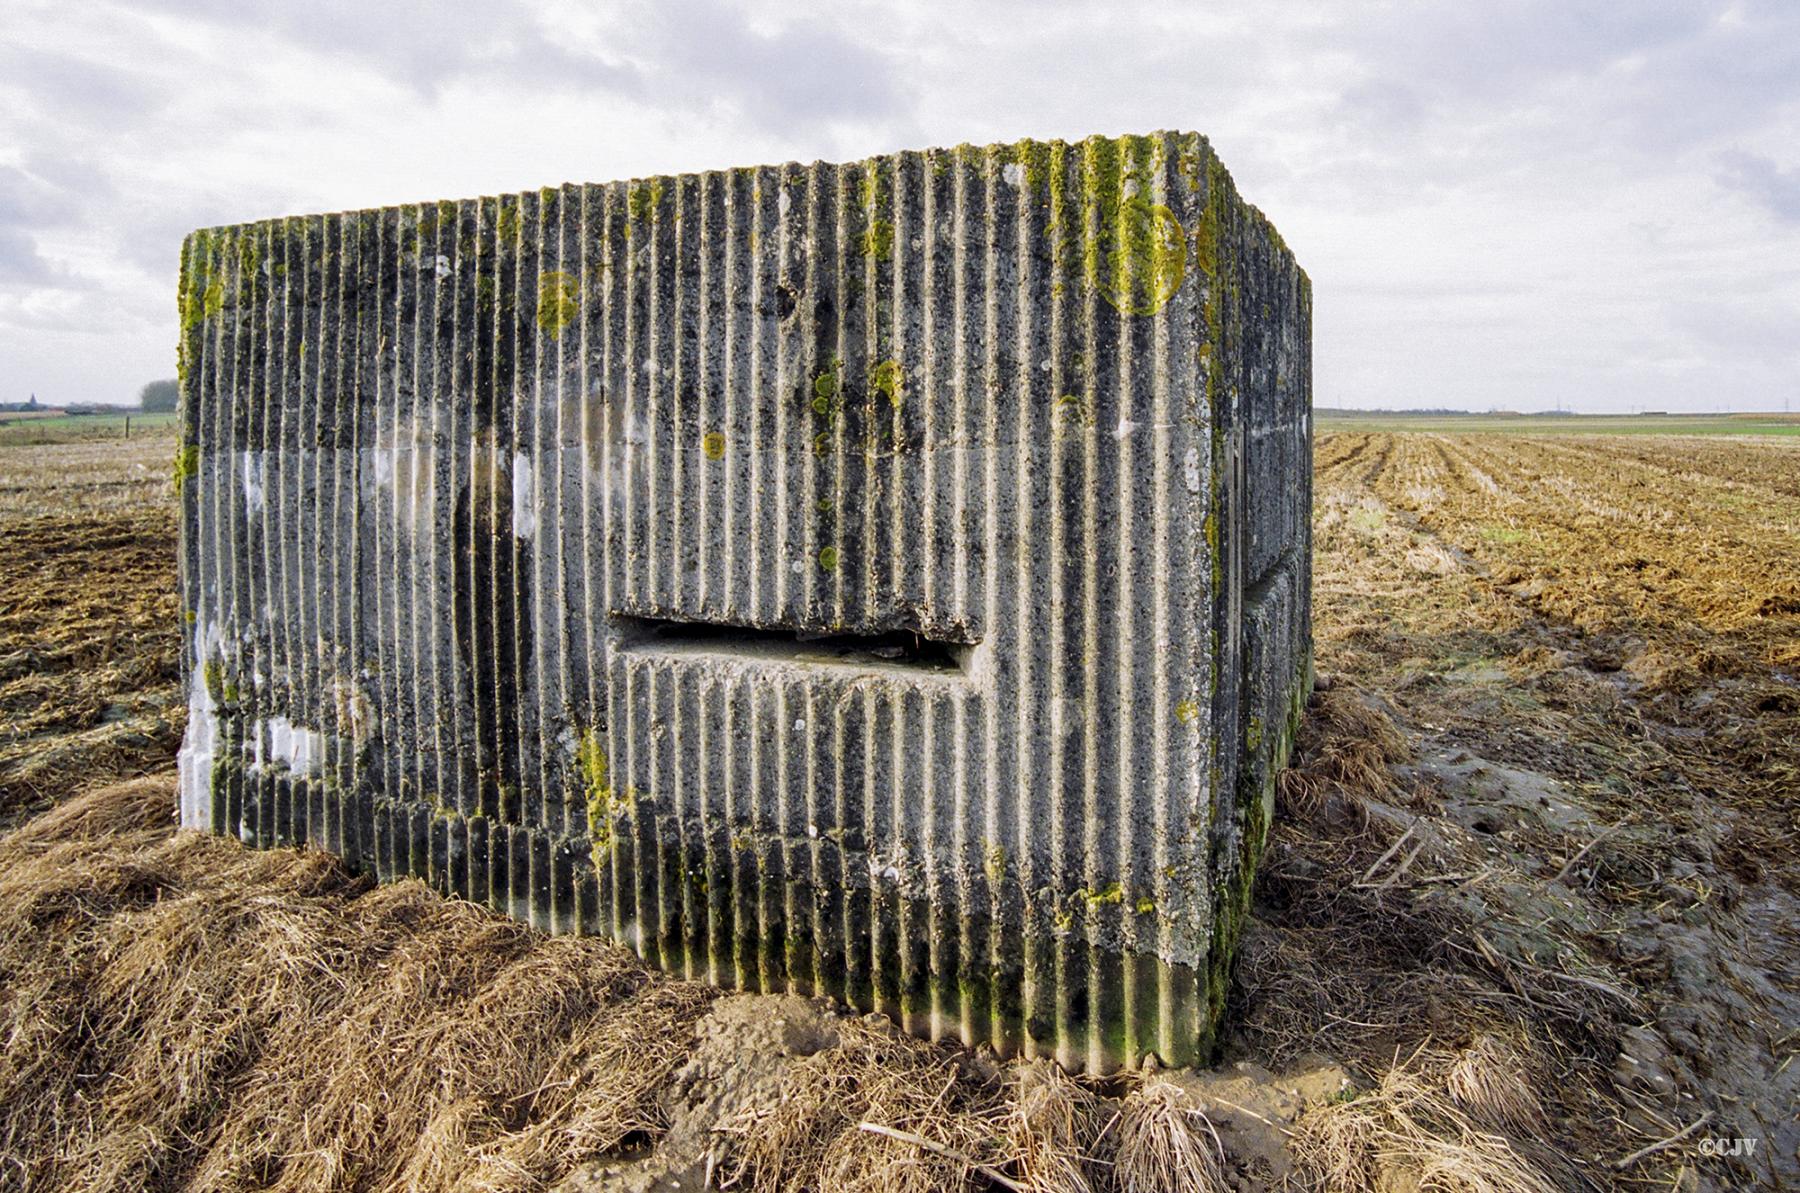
[888, 580]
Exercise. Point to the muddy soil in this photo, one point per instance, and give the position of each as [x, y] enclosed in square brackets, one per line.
[1584, 834]
[88, 654]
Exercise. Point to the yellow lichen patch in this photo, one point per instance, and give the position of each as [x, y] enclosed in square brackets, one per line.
[1206, 241]
[213, 301]
[213, 675]
[645, 202]
[1111, 893]
[559, 301]
[713, 445]
[825, 385]
[596, 779]
[828, 559]
[187, 465]
[878, 241]
[888, 377]
[507, 224]
[1069, 413]
[1140, 256]
[1187, 712]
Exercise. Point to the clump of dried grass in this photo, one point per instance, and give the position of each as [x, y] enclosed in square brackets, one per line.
[805, 1132]
[1431, 558]
[1413, 1131]
[179, 1010]
[1490, 1082]
[1167, 1144]
[1052, 1124]
[1347, 742]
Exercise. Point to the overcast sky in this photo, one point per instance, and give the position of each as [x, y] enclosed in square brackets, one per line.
[1586, 203]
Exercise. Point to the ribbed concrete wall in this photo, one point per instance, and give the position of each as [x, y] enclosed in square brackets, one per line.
[888, 580]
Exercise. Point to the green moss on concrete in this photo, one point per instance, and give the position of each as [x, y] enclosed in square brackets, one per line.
[888, 378]
[597, 789]
[644, 203]
[212, 674]
[1109, 895]
[559, 301]
[508, 223]
[1070, 414]
[878, 241]
[249, 264]
[1106, 231]
[828, 381]
[187, 466]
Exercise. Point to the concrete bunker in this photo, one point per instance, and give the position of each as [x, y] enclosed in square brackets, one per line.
[886, 580]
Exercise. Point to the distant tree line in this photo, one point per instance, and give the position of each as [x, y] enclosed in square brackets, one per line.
[159, 396]
[1422, 412]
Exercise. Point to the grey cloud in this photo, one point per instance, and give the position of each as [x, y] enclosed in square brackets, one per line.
[1739, 329]
[798, 73]
[1382, 106]
[1602, 78]
[692, 54]
[75, 89]
[1494, 51]
[28, 201]
[423, 45]
[20, 261]
[1761, 180]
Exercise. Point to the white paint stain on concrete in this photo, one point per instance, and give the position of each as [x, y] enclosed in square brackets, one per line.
[301, 749]
[199, 744]
[524, 520]
[255, 482]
